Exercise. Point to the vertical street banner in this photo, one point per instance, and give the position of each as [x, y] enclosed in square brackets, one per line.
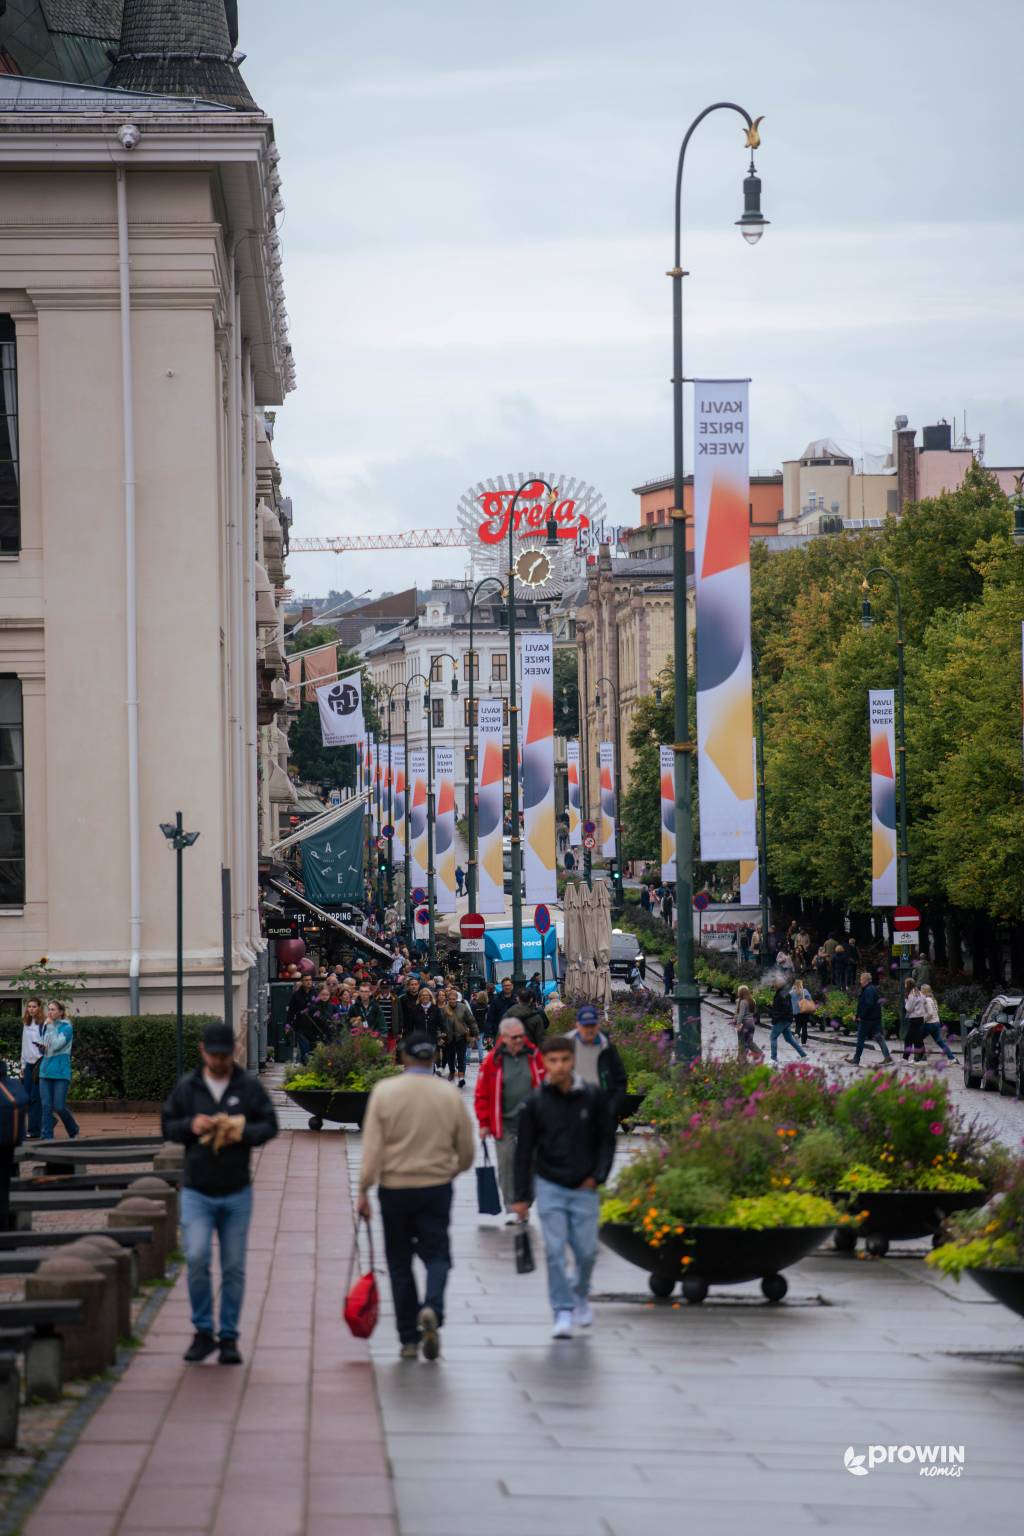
[490, 866]
[444, 829]
[418, 817]
[725, 720]
[606, 829]
[750, 869]
[341, 711]
[882, 716]
[384, 774]
[540, 871]
[667, 781]
[315, 666]
[1022, 690]
[398, 797]
[574, 803]
[332, 862]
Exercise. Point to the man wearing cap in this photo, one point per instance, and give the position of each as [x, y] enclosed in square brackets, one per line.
[417, 1137]
[597, 1060]
[219, 1112]
[508, 1076]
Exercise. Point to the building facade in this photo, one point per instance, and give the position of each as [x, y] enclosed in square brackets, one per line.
[142, 338]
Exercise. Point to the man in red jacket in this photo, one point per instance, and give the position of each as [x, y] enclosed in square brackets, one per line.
[506, 1079]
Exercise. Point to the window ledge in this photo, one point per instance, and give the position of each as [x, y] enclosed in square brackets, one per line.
[9, 559]
[12, 911]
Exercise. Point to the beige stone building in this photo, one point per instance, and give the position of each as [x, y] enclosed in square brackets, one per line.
[142, 529]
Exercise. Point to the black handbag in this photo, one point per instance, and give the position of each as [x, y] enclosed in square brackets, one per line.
[524, 1251]
[488, 1200]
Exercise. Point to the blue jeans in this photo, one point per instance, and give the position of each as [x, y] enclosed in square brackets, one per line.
[870, 1031]
[229, 1216]
[931, 1032]
[30, 1083]
[784, 1027]
[568, 1217]
[53, 1095]
[416, 1222]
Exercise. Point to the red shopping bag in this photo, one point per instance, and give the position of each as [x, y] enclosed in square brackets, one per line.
[362, 1303]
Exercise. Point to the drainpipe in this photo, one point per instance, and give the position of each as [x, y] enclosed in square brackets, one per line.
[131, 595]
[235, 596]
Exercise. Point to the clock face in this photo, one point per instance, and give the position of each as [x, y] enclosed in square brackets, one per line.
[533, 567]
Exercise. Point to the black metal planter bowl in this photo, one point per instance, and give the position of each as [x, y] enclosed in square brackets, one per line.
[631, 1103]
[900, 1214]
[339, 1105]
[717, 1256]
[1006, 1285]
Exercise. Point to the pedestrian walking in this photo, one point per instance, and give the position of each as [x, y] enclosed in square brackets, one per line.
[460, 1031]
[597, 1059]
[802, 1004]
[782, 1019]
[298, 1003]
[666, 909]
[566, 1142]
[668, 976]
[508, 1076]
[31, 1056]
[922, 971]
[930, 1026]
[219, 1113]
[526, 1008]
[744, 1021]
[912, 1033]
[55, 1072]
[417, 1138]
[869, 1019]
[745, 936]
[501, 1002]
[460, 880]
[645, 898]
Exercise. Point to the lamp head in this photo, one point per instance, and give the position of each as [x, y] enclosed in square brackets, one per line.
[168, 829]
[866, 618]
[753, 222]
[455, 685]
[657, 695]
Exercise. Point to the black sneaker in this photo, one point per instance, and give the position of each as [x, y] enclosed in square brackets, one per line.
[201, 1348]
[229, 1354]
[429, 1325]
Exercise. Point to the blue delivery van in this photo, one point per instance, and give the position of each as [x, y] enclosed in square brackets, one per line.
[498, 955]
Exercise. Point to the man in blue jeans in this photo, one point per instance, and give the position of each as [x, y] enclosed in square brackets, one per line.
[782, 1019]
[220, 1113]
[869, 1019]
[565, 1141]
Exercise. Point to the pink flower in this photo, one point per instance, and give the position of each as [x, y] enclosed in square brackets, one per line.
[927, 1103]
[936, 1127]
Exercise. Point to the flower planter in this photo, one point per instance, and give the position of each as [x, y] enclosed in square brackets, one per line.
[631, 1103]
[900, 1214]
[717, 1256]
[339, 1105]
[1006, 1285]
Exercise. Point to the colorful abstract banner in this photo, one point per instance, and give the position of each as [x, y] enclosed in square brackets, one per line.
[750, 869]
[398, 797]
[882, 716]
[490, 872]
[574, 802]
[418, 817]
[606, 826]
[444, 829]
[384, 770]
[371, 782]
[667, 781]
[721, 492]
[540, 872]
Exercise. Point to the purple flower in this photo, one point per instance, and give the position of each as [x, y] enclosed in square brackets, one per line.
[927, 1103]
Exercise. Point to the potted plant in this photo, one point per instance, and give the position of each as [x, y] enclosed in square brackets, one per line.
[716, 1203]
[334, 1084]
[988, 1244]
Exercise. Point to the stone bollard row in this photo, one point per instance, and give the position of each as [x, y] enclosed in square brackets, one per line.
[137, 1211]
[90, 1343]
[107, 1252]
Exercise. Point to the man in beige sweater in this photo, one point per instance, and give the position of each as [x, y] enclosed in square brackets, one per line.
[417, 1137]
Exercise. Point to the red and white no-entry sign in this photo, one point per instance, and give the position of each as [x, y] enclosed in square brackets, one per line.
[472, 926]
[905, 917]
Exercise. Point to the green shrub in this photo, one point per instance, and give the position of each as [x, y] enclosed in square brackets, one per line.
[148, 1054]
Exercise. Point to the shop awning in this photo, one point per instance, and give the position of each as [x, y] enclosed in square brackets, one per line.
[327, 917]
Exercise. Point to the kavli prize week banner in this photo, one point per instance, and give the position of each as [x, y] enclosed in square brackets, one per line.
[490, 871]
[540, 873]
[882, 716]
[444, 829]
[572, 768]
[606, 830]
[667, 780]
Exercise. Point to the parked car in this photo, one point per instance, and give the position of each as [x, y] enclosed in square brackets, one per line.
[1011, 1056]
[625, 952]
[983, 1045]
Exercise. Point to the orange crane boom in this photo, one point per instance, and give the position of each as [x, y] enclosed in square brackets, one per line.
[414, 538]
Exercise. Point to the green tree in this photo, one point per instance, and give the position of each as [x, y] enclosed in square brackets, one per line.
[567, 711]
[315, 763]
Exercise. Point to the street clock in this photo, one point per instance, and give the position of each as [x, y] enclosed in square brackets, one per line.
[533, 567]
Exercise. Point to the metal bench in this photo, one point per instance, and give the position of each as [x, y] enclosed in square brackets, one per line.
[74, 1181]
[128, 1237]
[75, 1158]
[25, 1202]
[32, 1328]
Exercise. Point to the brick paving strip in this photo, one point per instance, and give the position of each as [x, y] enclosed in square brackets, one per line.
[291, 1444]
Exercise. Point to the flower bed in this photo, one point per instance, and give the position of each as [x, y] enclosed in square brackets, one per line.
[989, 1244]
[335, 1082]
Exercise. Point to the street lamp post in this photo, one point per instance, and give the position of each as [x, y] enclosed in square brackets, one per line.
[428, 708]
[903, 860]
[619, 895]
[751, 224]
[471, 757]
[762, 807]
[391, 782]
[581, 705]
[179, 840]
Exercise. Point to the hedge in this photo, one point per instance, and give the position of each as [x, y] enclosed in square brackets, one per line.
[120, 1058]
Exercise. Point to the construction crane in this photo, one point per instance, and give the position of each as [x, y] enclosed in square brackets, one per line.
[414, 538]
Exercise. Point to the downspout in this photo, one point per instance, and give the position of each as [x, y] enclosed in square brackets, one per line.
[131, 599]
[235, 598]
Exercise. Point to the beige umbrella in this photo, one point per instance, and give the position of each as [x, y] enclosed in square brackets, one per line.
[600, 921]
[572, 940]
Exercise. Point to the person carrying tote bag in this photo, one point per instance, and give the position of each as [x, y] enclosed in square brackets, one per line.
[55, 1071]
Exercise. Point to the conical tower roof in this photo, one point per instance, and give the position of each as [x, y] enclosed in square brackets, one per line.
[180, 48]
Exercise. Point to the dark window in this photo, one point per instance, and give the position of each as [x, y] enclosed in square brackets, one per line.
[12, 796]
[10, 497]
[437, 712]
[499, 667]
[437, 669]
[476, 666]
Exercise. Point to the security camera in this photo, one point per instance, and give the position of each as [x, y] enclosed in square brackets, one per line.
[128, 136]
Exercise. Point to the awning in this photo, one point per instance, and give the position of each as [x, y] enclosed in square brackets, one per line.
[320, 823]
[353, 933]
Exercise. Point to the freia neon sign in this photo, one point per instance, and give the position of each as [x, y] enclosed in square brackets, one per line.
[534, 508]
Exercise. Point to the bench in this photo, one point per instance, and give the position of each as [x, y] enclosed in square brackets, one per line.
[25, 1202]
[78, 1159]
[91, 1180]
[128, 1237]
[32, 1328]
[31, 1148]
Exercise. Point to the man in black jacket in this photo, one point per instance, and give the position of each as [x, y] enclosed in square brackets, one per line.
[566, 1140]
[869, 1019]
[220, 1113]
[597, 1060]
[534, 1019]
[295, 1018]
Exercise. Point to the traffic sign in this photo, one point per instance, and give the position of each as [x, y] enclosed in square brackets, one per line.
[907, 938]
[542, 919]
[387, 831]
[471, 946]
[423, 916]
[590, 842]
[472, 926]
[419, 895]
[905, 918]
[590, 827]
[701, 901]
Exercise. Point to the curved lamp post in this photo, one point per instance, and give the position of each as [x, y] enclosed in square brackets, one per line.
[751, 226]
[761, 805]
[581, 704]
[471, 758]
[619, 896]
[427, 706]
[902, 861]
[391, 789]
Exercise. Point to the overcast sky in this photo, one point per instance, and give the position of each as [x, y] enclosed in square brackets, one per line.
[478, 222]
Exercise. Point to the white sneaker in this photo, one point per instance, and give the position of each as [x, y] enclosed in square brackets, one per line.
[563, 1326]
[582, 1315]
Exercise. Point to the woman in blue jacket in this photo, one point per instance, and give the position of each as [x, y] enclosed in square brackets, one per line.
[55, 1071]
